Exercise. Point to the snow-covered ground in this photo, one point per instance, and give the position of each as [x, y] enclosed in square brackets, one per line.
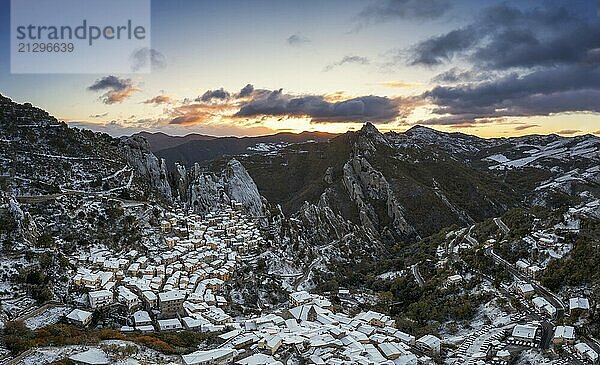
[143, 355]
[50, 316]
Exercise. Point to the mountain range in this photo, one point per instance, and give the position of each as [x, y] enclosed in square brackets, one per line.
[196, 147]
[326, 202]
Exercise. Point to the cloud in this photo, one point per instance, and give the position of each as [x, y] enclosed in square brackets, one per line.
[357, 60]
[400, 84]
[502, 37]
[438, 50]
[110, 82]
[250, 105]
[514, 62]
[246, 91]
[457, 120]
[569, 131]
[525, 126]
[376, 109]
[389, 10]
[543, 92]
[297, 40]
[210, 95]
[455, 75]
[159, 99]
[147, 57]
[197, 113]
[98, 115]
[117, 89]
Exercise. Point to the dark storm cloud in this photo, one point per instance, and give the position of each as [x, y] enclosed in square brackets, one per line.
[441, 49]
[523, 48]
[504, 37]
[364, 108]
[218, 94]
[464, 97]
[357, 60]
[110, 82]
[532, 62]
[455, 75]
[403, 9]
[117, 89]
[246, 91]
[544, 92]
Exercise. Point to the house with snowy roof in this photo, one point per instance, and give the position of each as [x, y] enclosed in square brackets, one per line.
[564, 335]
[579, 306]
[79, 317]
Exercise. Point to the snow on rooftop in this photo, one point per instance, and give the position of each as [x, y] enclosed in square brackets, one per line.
[92, 356]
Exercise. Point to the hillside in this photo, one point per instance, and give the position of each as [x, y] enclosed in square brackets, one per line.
[41, 155]
[159, 141]
[209, 149]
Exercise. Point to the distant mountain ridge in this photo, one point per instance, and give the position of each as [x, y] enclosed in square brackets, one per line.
[160, 141]
[209, 148]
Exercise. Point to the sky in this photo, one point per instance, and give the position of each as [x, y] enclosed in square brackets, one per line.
[253, 67]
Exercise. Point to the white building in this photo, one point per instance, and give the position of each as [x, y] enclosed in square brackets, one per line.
[259, 359]
[429, 343]
[171, 302]
[100, 298]
[528, 334]
[141, 318]
[585, 351]
[454, 279]
[80, 317]
[526, 290]
[543, 306]
[212, 357]
[300, 297]
[172, 324]
[127, 297]
[579, 304]
[564, 335]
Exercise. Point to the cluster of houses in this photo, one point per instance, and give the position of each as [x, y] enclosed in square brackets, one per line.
[578, 306]
[530, 334]
[532, 270]
[178, 288]
[311, 329]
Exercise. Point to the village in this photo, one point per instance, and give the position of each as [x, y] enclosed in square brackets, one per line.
[546, 320]
[179, 284]
[179, 287]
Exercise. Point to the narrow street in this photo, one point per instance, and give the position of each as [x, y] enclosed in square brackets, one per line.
[417, 274]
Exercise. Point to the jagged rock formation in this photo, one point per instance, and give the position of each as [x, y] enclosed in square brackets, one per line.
[137, 153]
[205, 191]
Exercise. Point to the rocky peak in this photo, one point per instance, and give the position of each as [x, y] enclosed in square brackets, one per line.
[207, 190]
[240, 187]
[368, 137]
[369, 130]
[423, 132]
